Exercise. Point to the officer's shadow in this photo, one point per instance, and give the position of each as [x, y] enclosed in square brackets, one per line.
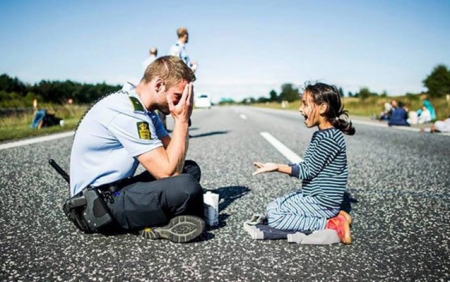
[226, 196]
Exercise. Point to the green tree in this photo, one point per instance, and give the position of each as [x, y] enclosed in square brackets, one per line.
[341, 92]
[273, 97]
[438, 82]
[364, 93]
[9, 84]
[289, 93]
[262, 100]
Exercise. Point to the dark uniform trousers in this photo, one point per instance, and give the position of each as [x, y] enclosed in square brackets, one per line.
[144, 201]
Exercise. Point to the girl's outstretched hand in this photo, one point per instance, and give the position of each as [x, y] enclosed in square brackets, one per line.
[267, 167]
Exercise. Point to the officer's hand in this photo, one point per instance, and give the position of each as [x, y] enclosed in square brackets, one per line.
[267, 167]
[183, 109]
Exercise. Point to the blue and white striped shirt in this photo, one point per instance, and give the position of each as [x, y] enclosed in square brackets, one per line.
[324, 170]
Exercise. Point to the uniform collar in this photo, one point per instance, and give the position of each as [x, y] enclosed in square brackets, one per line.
[133, 93]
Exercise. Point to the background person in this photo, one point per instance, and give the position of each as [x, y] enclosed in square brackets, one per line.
[399, 116]
[419, 117]
[438, 126]
[45, 118]
[427, 104]
[153, 53]
[120, 132]
[179, 48]
[324, 170]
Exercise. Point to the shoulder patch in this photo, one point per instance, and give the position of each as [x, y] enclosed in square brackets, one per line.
[137, 106]
[143, 130]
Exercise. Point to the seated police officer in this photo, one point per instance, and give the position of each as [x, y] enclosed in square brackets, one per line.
[121, 131]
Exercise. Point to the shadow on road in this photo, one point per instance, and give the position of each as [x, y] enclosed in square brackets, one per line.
[209, 134]
[347, 202]
[227, 195]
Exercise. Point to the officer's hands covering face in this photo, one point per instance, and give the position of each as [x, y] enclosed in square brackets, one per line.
[181, 104]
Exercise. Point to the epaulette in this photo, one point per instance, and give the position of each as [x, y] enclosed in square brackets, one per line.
[137, 106]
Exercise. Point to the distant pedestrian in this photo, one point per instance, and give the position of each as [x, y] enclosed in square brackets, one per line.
[324, 170]
[179, 48]
[153, 53]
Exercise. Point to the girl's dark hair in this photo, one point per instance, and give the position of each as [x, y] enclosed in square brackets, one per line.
[335, 113]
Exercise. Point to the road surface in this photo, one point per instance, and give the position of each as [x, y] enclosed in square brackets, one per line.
[398, 194]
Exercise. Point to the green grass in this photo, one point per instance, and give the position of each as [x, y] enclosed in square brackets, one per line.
[374, 105]
[17, 126]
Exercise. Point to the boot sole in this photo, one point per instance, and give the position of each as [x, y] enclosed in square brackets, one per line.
[181, 229]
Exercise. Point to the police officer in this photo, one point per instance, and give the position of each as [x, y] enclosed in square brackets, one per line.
[179, 49]
[120, 132]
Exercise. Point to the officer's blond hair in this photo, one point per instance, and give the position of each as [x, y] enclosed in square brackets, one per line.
[170, 69]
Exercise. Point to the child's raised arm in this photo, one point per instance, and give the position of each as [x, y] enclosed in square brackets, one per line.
[269, 167]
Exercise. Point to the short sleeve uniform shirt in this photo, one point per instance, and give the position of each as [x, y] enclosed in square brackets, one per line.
[111, 136]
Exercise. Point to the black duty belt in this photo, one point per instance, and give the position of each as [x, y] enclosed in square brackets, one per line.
[113, 188]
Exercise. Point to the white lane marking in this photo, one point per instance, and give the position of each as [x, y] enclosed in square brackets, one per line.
[243, 116]
[35, 140]
[285, 151]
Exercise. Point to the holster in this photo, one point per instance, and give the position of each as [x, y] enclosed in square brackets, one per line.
[88, 211]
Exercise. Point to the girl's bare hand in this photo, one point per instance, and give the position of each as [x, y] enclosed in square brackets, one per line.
[267, 167]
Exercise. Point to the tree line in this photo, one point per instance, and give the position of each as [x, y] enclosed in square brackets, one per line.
[15, 94]
[437, 83]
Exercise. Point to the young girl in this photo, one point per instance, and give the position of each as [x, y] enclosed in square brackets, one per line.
[324, 169]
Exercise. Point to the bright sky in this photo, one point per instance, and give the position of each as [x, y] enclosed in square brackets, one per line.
[243, 48]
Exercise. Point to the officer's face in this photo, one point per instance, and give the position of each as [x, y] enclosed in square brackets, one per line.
[174, 94]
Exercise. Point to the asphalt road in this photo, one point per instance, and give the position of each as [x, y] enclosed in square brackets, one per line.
[398, 194]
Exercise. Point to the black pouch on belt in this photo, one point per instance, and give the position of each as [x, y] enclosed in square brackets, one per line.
[88, 211]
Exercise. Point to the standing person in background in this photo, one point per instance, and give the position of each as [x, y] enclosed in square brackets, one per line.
[179, 50]
[153, 54]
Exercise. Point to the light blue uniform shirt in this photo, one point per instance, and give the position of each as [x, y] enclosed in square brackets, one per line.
[178, 50]
[110, 137]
